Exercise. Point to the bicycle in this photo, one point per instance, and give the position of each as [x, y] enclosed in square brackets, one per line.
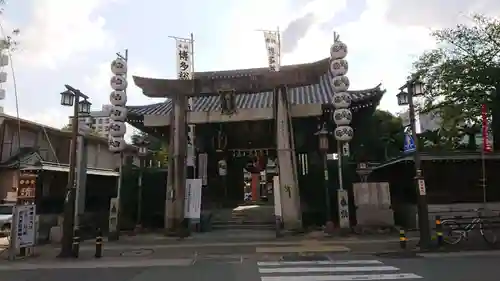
[453, 233]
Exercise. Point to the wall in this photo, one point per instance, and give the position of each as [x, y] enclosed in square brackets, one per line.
[54, 145]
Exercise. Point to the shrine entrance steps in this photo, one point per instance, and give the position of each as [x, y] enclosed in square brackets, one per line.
[244, 217]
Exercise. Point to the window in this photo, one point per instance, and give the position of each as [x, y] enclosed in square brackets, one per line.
[106, 128]
[106, 121]
[99, 121]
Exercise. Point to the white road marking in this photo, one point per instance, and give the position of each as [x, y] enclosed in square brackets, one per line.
[333, 270]
[340, 262]
[327, 269]
[344, 277]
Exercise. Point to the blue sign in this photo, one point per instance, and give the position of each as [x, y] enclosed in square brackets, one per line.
[409, 144]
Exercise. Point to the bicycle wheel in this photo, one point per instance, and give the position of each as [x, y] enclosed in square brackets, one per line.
[452, 234]
[488, 232]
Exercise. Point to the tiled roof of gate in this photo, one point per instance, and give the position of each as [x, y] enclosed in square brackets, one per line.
[320, 93]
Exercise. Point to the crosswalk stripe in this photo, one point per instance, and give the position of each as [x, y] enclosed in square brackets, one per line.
[343, 277]
[340, 262]
[327, 269]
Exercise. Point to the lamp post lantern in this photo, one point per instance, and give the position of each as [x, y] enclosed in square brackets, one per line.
[414, 88]
[71, 97]
[323, 138]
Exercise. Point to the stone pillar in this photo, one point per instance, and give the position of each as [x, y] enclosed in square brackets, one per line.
[177, 173]
[289, 189]
[170, 196]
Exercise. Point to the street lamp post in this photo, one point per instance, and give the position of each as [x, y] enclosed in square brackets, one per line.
[71, 97]
[323, 135]
[143, 151]
[415, 88]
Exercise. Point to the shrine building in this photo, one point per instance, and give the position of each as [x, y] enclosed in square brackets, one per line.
[257, 123]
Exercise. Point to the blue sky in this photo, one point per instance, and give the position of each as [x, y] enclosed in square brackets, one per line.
[69, 41]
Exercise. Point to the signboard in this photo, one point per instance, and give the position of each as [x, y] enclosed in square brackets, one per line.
[343, 205]
[192, 199]
[25, 232]
[277, 196]
[113, 214]
[27, 187]
[421, 187]
[409, 145]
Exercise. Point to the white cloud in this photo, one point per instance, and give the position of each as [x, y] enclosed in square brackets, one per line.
[60, 31]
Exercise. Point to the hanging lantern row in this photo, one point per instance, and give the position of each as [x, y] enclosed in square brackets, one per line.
[118, 100]
[342, 116]
[4, 61]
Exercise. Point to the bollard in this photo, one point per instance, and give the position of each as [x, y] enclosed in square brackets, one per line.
[402, 239]
[439, 231]
[278, 227]
[75, 249]
[98, 244]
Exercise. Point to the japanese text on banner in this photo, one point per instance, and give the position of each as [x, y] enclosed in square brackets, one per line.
[273, 49]
[184, 62]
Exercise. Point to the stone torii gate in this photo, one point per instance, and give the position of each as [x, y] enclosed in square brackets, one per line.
[180, 90]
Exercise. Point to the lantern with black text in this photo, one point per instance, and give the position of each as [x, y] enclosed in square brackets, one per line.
[118, 100]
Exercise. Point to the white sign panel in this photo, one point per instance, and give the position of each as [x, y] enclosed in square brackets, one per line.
[185, 71]
[192, 199]
[26, 215]
[277, 196]
[113, 214]
[343, 205]
[273, 49]
[421, 187]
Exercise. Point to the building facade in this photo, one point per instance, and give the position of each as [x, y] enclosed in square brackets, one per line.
[100, 121]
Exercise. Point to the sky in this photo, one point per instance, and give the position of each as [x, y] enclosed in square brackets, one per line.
[73, 42]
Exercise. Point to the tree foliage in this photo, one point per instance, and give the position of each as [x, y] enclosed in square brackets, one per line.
[460, 75]
[157, 147]
[384, 139]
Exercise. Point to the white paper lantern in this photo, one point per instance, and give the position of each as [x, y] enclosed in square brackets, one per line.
[342, 100]
[119, 66]
[342, 116]
[3, 77]
[118, 98]
[117, 144]
[338, 67]
[340, 84]
[118, 113]
[118, 82]
[4, 60]
[117, 129]
[344, 133]
[338, 50]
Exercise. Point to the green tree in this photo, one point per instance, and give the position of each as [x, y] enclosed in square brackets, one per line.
[384, 138]
[157, 147]
[460, 75]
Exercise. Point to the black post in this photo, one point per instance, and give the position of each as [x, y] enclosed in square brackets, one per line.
[98, 244]
[423, 212]
[439, 231]
[329, 222]
[138, 224]
[69, 202]
[402, 239]
[76, 243]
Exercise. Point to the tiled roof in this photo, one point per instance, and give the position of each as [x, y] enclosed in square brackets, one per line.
[320, 93]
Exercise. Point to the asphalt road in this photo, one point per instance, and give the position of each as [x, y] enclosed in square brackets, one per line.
[335, 267]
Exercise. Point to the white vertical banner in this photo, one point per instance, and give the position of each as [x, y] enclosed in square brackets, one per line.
[192, 199]
[185, 72]
[273, 47]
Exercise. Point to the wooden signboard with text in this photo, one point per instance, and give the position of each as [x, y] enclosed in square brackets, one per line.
[27, 187]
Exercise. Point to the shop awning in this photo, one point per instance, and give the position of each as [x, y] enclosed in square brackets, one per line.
[50, 166]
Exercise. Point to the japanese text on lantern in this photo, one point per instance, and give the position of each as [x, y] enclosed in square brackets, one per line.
[184, 59]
